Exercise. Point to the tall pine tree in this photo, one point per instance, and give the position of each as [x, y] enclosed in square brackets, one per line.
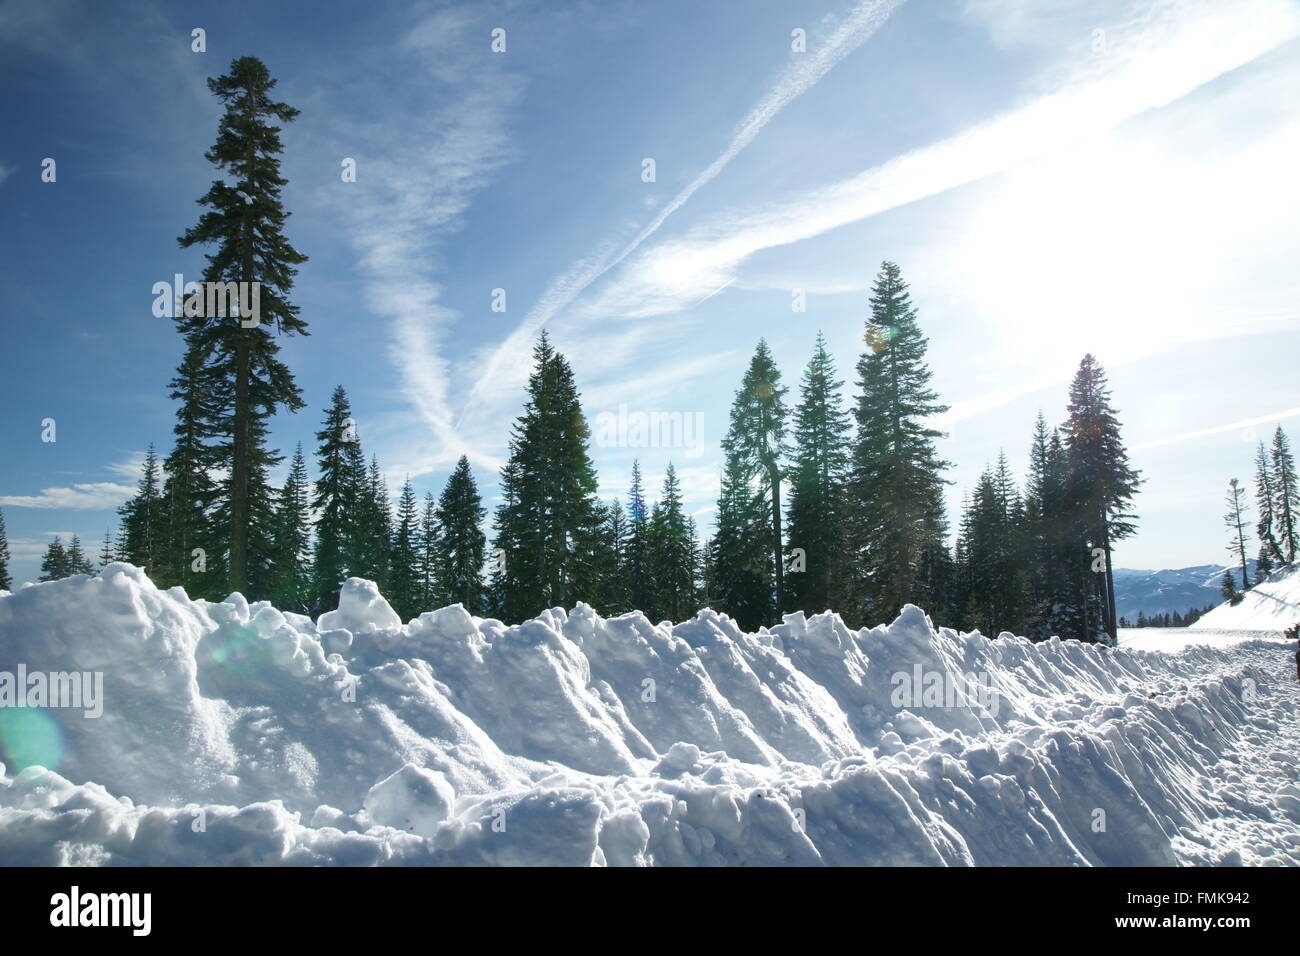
[293, 586]
[896, 512]
[245, 220]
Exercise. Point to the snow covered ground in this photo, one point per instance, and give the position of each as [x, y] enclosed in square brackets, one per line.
[233, 733]
[1271, 605]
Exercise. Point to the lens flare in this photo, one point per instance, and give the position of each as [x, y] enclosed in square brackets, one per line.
[30, 737]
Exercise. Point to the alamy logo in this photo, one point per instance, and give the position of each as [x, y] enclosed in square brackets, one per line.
[73, 690]
[103, 909]
[922, 688]
[212, 300]
[624, 429]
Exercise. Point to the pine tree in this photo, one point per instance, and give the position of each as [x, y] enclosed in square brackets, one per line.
[78, 563]
[815, 514]
[6, 580]
[1102, 484]
[1229, 588]
[672, 554]
[245, 220]
[107, 552]
[55, 566]
[462, 545]
[549, 524]
[1236, 522]
[428, 541]
[142, 520]
[1269, 552]
[192, 555]
[294, 584]
[896, 513]
[748, 571]
[374, 526]
[638, 516]
[338, 459]
[1286, 497]
[404, 585]
[615, 584]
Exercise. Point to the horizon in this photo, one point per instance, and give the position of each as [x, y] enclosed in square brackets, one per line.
[1051, 184]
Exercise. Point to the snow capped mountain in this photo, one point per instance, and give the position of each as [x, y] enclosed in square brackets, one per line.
[1271, 605]
[1166, 591]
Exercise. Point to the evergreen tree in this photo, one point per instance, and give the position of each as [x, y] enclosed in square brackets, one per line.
[815, 515]
[549, 524]
[55, 566]
[293, 587]
[107, 554]
[615, 590]
[78, 563]
[748, 570]
[638, 517]
[374, 528]
[896, 513]
[1101, 486]
[672, 554]
[245, 220]
[404, 585]
[1236, 522]
[1269, 552]
[6, 580]
[462, 544]
[192, 554]
[1229, 588]
[1286, 497]
[142, 520]
[429, 576]
[338, 461]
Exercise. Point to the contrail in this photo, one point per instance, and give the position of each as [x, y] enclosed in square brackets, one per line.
[1247, 423]
[865, 19]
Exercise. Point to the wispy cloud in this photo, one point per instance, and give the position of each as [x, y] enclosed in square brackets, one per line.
[97, 494]
[420, 173]
[796, 79]
[1242, 426]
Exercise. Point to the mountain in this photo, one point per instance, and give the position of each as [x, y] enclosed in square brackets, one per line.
[1160, 592]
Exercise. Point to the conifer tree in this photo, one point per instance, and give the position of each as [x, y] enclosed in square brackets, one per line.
[337, 460]
[614, 590]
[638, 517]
[55, 566]
[815, 515]
[1286, 497]
[293, 586]
[192, 553]
[1101, 485]
[1269, 552]
[672, 557]
[375, 525]
[6, 579]
[747, 570]
[107, 554]
[896, 512]
[549, 526]
[142, 522]
[1235, 519]
[429, 576]
[404, 585]
[245, 220]
[462, 544]
[78, 563]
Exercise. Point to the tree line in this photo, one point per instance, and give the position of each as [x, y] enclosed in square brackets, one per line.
[829, 505]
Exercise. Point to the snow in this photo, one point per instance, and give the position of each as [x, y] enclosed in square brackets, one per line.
[1271, 605]
[234, 733]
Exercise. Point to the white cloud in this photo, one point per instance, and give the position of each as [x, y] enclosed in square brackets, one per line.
[98, 494]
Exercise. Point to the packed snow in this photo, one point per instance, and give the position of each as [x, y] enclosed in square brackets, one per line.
[237, 734]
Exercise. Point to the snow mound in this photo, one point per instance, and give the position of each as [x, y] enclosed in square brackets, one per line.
[1271, 605]
[237, 734]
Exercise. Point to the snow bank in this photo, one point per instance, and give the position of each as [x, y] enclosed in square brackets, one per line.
[1271, 605]
[234, 733]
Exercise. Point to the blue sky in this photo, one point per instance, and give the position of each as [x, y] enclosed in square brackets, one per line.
[1053, 178]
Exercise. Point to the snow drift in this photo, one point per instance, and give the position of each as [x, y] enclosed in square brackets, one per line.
[234, 733]
[1271, 605]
